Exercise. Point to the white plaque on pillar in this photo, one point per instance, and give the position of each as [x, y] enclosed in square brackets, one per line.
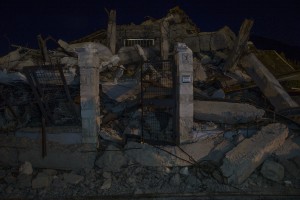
[186, 78]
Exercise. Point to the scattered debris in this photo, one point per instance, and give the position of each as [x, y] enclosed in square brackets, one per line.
[237, 90]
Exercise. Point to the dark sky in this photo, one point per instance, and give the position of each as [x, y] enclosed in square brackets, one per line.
[23, 20]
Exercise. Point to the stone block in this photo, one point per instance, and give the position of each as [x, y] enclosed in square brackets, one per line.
[224, 112]
[112, 160]
[240, 162]
[72, 178]
[41, 181]
[272, 170]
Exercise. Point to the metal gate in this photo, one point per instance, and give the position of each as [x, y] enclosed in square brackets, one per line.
[158, 103]
[50, 89]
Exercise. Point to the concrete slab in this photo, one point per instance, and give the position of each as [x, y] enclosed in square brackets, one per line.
[240, 162]
[224, 112]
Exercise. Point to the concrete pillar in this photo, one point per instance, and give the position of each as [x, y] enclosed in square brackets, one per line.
[89, 93]
[164, 46]
[184, 63]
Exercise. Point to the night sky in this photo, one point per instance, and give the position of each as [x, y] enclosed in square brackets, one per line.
[23, 20]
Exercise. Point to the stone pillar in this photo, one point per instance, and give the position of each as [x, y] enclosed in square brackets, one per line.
[89, 93]
[185, 106]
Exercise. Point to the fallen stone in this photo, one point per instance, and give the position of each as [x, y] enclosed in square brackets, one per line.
[289, 149]
[148, 155]
[184, 171]
[240, 162]
[267, 83]
[106, 185]
[218, 94]
[224, 112]
[291, 167]
[206, 60]
[272, 170]
[41, 181]
[112, 159]
[9, 157]
[72, 178]
[199, 72]
[219, 40]
[26, 168]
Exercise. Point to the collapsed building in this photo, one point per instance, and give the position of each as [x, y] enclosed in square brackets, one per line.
[159, 94]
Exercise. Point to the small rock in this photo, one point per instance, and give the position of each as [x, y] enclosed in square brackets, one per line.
[205, 60]
[218, 94]
[272, 170]
[73, 178]
[175, 180]
[106, 185]
[26, 168]
[50, 172]
[168, 170]
[41, 181]
[184, 171]
[288, 183]
[290, 167]
[112, 159]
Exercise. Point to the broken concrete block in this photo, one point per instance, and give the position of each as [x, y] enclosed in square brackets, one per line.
[199, 72]
[290, 167]
[107, 184]
[267, 83]
[26, 168]
[214, 41]
[272, 170]
[72, 178]
[112, 159]
[240, 162]
[206, 60]
[224, 112]
[41, 181]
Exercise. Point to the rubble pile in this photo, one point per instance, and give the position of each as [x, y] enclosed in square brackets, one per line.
[245, 135]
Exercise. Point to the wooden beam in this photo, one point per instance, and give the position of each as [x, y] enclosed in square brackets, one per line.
[240, 45]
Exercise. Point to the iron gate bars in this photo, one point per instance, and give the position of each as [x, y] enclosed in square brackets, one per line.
[49, 85]
[158, 103]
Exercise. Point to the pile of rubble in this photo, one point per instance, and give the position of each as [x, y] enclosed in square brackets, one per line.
[245, 134]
